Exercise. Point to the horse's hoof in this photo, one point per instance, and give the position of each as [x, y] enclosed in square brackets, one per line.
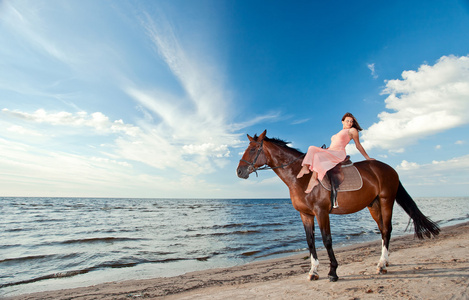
[312, 277]
[333, 278]
[382, 271]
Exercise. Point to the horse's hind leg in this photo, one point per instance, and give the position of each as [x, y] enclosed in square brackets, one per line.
[308, 223]
[382, 215]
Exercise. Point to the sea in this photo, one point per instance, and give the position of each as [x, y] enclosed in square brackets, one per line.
[56, 243]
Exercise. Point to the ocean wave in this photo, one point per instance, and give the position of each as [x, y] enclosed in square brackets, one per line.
[10, 246]
[238, 232]
[236, 225]
[29, 259]
[250, 253]
[232, 249]
[17, 229]
[99, 240]
[458, 219]
[45, 219]
[228, 233]
[124, 263]
[24, 258]
[350, 235]
[45, 277]
[155, 253]
[96, 240]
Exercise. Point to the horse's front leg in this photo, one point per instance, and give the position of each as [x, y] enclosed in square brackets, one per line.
[325, 227]
[308, 223]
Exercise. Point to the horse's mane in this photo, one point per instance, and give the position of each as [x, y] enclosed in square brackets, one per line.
[280, 142]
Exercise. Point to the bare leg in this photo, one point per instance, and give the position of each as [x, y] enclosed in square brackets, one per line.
[312, 182]
[304, 170]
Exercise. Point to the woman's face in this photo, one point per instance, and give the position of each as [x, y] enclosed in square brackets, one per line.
[348, 122]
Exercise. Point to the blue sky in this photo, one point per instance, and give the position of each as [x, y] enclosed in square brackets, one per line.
[155, 98]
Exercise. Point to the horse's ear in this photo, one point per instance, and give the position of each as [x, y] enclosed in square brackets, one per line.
[250, 138]
[262, 136]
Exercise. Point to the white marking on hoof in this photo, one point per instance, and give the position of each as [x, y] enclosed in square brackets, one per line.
[384, 260]
[313, 273]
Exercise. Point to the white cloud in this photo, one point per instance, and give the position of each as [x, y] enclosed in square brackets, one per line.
[372, 69]
[427, 101]
[98, 121]
[30, 171]
[405, 165]
[459, 142]
[16, 129]
[208, 149]
[457, 163]
[454, 171]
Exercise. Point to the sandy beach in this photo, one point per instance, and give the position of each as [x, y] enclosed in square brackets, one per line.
[429, 269]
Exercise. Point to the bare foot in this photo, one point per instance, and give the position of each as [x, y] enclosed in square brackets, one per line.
[311, 186]
[303, 171]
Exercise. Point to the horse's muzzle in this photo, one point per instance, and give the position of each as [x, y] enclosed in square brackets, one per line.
[243, 172]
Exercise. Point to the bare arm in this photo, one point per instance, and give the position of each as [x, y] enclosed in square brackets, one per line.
[354, 133]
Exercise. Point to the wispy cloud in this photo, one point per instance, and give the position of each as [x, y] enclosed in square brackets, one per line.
[268, 117]
[301, 121]
[427, 101]
[191, 132]
[24, 18]
[372, 69]
[200, 80]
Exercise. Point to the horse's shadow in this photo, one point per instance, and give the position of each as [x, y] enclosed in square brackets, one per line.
[412, 271]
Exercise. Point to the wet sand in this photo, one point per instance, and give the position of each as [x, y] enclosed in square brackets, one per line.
[419, 269]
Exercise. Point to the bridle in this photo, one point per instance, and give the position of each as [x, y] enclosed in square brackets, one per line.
[265, 167]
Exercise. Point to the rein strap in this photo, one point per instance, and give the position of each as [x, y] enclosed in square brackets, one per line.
[266, 167]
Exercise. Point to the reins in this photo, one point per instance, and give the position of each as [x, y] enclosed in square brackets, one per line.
[266, 167]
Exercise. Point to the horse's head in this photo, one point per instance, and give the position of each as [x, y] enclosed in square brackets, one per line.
[254, 156]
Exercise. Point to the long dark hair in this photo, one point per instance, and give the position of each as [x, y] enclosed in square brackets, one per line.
[355, 122]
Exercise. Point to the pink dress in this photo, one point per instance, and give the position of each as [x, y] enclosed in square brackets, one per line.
[322, 160]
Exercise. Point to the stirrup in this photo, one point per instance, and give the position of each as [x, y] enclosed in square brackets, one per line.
[336, 205]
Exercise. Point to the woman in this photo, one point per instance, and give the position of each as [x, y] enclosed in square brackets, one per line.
[321, 160]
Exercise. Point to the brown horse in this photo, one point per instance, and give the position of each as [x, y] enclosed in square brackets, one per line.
[381, 187]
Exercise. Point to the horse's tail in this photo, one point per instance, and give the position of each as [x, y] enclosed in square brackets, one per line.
[423, 226]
